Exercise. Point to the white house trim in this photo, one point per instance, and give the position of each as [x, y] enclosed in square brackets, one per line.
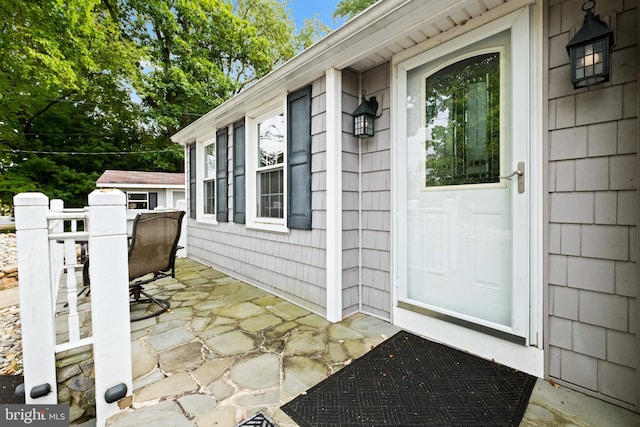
[334, 193]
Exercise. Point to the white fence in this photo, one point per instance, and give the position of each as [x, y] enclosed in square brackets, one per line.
[47, 239]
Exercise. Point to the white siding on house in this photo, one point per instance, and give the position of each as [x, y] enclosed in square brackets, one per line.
[593, 212]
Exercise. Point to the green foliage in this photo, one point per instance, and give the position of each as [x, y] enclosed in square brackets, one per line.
[112, 77]
[350, 8]
[199, 54]
[54, 55]
[50, 50]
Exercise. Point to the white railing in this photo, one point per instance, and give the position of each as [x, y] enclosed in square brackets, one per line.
[47, 239]
[66, 241]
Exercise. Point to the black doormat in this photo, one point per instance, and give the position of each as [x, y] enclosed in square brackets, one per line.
[8, 384]
[410, 381]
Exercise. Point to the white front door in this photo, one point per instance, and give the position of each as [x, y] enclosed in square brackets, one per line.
[463, 222]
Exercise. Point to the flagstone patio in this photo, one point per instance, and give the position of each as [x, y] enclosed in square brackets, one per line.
[227, 349]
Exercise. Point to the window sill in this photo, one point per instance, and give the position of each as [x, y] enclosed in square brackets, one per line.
[266, 226]
[207, 220]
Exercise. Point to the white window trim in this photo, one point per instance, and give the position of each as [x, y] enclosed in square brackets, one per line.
[146, 193]
[200, 172]
[277, 225]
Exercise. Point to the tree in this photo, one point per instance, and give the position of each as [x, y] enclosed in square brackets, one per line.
[350, 8]
[54, 54]
[53, 51]
[81, 80]
[199, 54]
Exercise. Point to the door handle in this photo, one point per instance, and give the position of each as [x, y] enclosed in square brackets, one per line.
[520, 173]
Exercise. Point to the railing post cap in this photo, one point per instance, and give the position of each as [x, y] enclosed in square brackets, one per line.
[106, 196]
[30, 199]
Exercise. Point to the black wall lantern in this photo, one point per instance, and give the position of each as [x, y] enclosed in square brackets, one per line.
[364, 116]
[590, 49]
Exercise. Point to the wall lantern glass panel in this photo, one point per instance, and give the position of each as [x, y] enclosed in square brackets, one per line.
[590, 49]
[364, 116]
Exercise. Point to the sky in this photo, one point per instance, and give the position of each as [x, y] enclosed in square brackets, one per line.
[309, 8]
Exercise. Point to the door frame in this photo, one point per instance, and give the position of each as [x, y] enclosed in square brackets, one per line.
[526, 35]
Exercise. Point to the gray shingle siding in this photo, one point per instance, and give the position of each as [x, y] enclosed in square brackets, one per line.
[376, 196]
[290, 265]
[350, 198]
[366, 200]
[593, 201]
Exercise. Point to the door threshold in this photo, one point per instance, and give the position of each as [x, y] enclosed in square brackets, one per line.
[464, 323]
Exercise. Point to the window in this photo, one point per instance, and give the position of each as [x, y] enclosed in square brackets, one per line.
[212, 182]
[462, 122]
[278, 165]
[209, 180]
[138, 201]
[270, 169]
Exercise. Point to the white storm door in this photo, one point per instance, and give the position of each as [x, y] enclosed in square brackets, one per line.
[463, 228]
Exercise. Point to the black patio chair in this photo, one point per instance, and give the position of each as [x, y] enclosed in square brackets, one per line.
[152, 256]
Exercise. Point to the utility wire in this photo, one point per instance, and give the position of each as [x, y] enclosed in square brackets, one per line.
[84, 153]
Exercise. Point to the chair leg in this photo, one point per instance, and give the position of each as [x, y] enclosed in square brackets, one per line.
[136, 291]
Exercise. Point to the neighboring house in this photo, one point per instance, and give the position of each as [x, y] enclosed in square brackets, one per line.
[146, 190]
[418, 224]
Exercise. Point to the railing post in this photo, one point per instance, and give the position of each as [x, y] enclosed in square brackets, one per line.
[36, 309]
[109, 273]
[181, 205]
[56, 251]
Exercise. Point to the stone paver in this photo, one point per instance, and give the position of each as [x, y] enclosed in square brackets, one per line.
[195, 404]
[185, 357]
[175, 385]
[258, 372]
[211, 370]
[164, 414]
[144, 359]
[231, 343]
[170, 339]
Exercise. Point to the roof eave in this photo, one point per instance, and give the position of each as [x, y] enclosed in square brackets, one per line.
[380, 25]
[307, 60]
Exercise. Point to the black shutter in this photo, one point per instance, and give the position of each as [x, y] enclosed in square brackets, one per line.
[239, 201]
[222, 190]
[153, 201]
[299, 159]
[192, 181]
